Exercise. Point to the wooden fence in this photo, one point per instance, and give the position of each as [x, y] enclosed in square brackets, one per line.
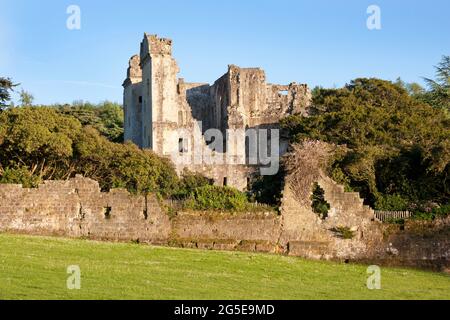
[392, 215]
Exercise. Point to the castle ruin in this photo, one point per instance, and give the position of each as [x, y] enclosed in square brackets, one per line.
[168, 115]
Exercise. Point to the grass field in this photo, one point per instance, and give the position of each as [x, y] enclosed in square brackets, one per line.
[36, 268]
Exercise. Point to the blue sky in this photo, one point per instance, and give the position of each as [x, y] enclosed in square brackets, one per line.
[320, 42]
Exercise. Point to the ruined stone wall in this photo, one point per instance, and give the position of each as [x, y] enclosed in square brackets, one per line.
[248, 92]
[133, 113]
[247, 232]
[416, 243]
[77, 208]
[198, 102]
[317, 237]
[287, 99]
[220, 96]
[306, 234]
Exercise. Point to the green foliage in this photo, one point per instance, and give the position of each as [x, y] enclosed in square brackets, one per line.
[391, 202]
[34, 268]
[319, 205]
[343, 232]
[50, 145]
[123, 165]
[439, 88]
[414, 89]
[26, 98]
[423, 216]
[217, 198]
[267, 189]
[6, 86]
[395, 144]
[38, 138]
[190, 181]
[442, 211]
[20, 175]
[106, 117]
[436, 213]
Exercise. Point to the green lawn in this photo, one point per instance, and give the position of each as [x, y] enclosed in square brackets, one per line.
[35, 268]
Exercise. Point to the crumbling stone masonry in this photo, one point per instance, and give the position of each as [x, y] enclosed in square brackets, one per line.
[77, 208]
[308, 235]
[157, 105]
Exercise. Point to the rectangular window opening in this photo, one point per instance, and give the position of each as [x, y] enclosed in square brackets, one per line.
[182, 145]
[107, 212]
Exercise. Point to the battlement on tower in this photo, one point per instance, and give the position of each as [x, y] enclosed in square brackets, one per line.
[153, 45]
[134, 69]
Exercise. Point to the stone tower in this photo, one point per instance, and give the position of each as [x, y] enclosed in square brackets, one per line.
[133, 102]
[159, 94]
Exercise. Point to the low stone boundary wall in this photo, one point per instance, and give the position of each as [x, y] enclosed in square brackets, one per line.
[77, 208]
[246, 231]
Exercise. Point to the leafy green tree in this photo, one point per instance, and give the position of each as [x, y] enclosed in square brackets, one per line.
[26, 98]
[414, 89]
[106, 117]
[122, 165]
[6, 86]
[40, 139]
[50, 145]
[439, 88]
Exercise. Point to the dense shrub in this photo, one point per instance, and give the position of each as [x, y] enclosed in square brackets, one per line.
[217, 198]
[190, 181]
[391, 203]
[19, 175]
[435, 213]
[343, 232]
[267, 189]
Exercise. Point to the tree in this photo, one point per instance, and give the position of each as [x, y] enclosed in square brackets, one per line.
[413, 88]
[6, 86]
[26, 98]
[41, 143]
[396, 144]
[39, 139]
[439, 88]
[106, 117]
